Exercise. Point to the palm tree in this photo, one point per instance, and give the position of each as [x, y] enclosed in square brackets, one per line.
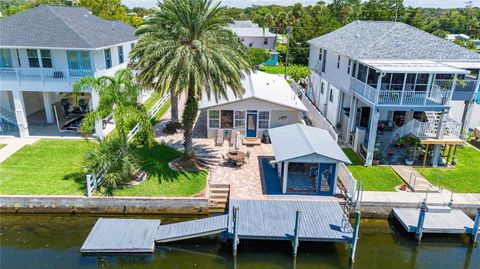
[118, 96]
[186, 47]
[113, 157]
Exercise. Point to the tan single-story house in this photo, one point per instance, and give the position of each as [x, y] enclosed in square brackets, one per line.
[268, 102]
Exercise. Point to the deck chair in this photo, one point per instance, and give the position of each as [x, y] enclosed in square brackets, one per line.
[219, 139]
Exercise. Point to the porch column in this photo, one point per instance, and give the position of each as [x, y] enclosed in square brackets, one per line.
[351, 118]
[47, 102]
[285, 177]
[408, 116]
[98, 123]
[440, 132]
[465, 118]
[372, 135]
[20, 113]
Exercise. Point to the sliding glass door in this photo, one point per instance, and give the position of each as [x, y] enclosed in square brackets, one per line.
[79, 63]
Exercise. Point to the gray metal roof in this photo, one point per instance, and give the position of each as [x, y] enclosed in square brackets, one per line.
[390, 40]
[62, 27]
[299, 140]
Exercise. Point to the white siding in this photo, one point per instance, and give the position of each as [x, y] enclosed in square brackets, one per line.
[257, 42]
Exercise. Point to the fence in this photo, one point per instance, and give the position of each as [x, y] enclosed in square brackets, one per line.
[93, 180]
[348, 181]
[318, 120]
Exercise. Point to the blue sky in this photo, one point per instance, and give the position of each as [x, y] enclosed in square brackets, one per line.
[246, 3]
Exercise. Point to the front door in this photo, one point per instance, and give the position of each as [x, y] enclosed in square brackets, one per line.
[326, 178]
[251, 124]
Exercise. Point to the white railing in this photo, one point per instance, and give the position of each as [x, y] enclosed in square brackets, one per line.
[365, 90]
[428, 129]
[93, 180]
[314, 114]
[43, 74]
[347, 180]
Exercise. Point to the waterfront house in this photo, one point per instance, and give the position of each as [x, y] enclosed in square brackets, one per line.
[268, 102]
[307, 159]
[374, 81]
[253, 36]
[43, 51]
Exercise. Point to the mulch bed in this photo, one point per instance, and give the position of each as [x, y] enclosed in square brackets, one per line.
[182, 165]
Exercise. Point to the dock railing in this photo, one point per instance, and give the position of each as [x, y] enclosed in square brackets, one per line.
[93, 180]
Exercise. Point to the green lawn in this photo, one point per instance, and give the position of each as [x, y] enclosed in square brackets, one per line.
[52, 167]
[374, 178]
[278, 69]
[465, 177]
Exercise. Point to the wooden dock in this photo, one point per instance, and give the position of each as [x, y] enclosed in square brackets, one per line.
[121, 236]
[437, 219]
[192, 229]
[275, 220]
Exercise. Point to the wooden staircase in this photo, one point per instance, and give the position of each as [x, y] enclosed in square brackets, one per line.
[218, 198]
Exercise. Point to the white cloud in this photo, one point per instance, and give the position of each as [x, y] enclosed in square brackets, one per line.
[246, 3]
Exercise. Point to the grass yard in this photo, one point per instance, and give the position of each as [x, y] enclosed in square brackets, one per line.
[374, 178]
[53, 167]
[465, 177]
[278, 69]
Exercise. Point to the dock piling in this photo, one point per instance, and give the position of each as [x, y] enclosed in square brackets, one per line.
[356, 227]
[235, 231]
[476, 226]
[295, 243]
[421, 221]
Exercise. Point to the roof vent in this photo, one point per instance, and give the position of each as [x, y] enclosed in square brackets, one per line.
[357, 35]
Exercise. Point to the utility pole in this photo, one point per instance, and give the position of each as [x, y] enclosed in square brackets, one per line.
[289, 29]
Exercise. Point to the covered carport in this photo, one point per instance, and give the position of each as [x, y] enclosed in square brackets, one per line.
[307, 159]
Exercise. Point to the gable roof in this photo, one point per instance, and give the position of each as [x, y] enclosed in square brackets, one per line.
[390, 40]
[62, 27]
[261, 86]
[299, 140]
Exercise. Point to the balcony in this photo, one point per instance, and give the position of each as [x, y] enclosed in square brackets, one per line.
[464, 90]
[43, 75]
[438, 95]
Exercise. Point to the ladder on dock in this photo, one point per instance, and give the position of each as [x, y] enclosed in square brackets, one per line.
[192, 229]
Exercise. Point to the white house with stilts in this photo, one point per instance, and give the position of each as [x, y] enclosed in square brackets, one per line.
[43, 52]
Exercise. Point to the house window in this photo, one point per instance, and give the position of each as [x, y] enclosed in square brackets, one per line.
[263, 119]
[5, 58]
[108, 58]
[239, 119]
[33, 58]
[250, 45]
[320, 54]
[338, 62]
[132, 45]
[46, 58]
[214, 119]
[349, 67]
[265, 41]
[242, 39]
[330, 98]
[79, 63]
[324, 60]
[322, 88]
[362, 72]
[226, 121]
[120, 54]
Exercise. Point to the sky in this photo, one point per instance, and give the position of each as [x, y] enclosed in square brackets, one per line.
[246, 3]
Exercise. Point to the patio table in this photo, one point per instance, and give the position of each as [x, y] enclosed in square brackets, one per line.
[236, 155]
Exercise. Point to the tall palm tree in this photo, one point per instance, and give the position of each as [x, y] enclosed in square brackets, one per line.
[186, 47]
[118, 96]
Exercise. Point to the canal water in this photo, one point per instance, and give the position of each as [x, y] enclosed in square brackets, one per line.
[52, 241]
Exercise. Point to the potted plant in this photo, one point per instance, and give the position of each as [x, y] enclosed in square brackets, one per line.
[377, 154]
[413, 143]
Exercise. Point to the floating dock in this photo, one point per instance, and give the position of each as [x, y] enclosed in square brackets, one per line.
[437, 219]
[121, 236]
[296, 221]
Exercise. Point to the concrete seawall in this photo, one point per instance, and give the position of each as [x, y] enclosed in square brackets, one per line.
[103, 205]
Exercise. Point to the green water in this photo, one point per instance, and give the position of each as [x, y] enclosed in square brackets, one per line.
[49, 241]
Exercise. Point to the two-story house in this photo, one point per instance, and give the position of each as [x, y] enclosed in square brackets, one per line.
[253, 36]
[43, 52]
[376, 80]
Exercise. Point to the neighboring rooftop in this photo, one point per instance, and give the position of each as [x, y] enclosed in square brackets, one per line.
[391, 40]
[62, 27]
[249, 29]
[261, 86]
[299, 140]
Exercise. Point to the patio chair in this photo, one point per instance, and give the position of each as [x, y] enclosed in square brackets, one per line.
[239, 163]
[219, 139]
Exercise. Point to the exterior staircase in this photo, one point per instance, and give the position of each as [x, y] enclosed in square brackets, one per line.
[218, 198]
[8, 115]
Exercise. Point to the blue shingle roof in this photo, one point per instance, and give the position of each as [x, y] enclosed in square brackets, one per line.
[62, 27]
